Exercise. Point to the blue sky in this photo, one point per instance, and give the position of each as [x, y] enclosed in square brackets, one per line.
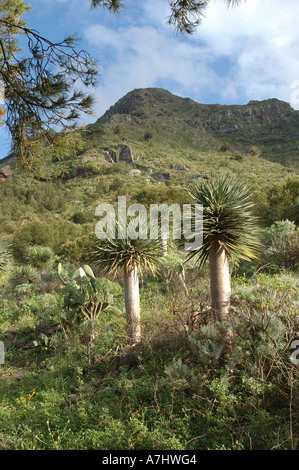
[236, 55]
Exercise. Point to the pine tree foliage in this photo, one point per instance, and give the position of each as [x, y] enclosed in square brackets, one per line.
[185, 15]
[40, 80]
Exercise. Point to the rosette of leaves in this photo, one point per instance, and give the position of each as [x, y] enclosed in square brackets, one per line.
[131, 256]
[39, 256]
[24, 274]
[6, 259]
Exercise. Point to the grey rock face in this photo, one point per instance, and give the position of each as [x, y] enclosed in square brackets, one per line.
[5, 172]
[125, 154]
[162, 176]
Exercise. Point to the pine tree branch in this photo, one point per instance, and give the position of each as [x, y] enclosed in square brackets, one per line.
[39, 90]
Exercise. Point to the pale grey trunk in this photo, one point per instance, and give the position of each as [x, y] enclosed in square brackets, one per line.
[220, 282]
[132, 302]
[182, 279]
[164, 246]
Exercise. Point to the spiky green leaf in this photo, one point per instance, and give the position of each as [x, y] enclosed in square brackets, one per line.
[228, 218]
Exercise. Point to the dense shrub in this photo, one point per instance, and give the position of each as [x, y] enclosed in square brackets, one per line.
[82, 217]
[280, 202]
[225, 147]
[148, 135]
[5, 259]
[23, 274]
[159, 195]
[177, 390]
[255, 151]
[51, 232]
[282, 244]
[39, 256]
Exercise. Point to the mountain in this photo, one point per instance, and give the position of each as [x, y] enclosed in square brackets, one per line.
[151, 147]
[272, 125]
[166, 138]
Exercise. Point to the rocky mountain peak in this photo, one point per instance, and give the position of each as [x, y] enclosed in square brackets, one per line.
[271, 124]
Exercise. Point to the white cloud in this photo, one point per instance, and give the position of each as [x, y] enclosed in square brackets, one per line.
[237, 54]
[261, 37]
[143, 57]
[258, 39]
[248, 52]
[258, 42]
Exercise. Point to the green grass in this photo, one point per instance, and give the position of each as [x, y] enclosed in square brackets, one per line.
[176, 390]
[173, 391]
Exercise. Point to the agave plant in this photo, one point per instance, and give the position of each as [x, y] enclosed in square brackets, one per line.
[5, 259]
[230, 231]
[130, 255]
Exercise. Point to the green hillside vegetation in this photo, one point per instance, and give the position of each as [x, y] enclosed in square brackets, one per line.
[71, 378]
[271, 124]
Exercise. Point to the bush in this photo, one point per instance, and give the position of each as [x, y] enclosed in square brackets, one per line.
[52, 233]
[160, 195]
[23, 274]
[85, 299]
[89, 169]
[148, 135]
[78, 250]
[282, 244]
[118, 185]
[237, 157]
[282, 202]
[117, 129]
[82, 217]
[5, 259]
[255, 151]
[39, 256]
[225, 147]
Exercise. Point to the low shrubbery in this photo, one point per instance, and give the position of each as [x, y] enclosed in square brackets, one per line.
[74, 383]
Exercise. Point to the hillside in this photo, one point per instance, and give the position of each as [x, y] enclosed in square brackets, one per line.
[272, 125]
[72, 379]
[150, 146]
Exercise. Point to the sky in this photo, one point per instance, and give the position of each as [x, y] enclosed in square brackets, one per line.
[249, 52]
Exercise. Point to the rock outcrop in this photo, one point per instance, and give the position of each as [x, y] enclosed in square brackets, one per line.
[5, 172]
[125, 154]
[162, 176]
